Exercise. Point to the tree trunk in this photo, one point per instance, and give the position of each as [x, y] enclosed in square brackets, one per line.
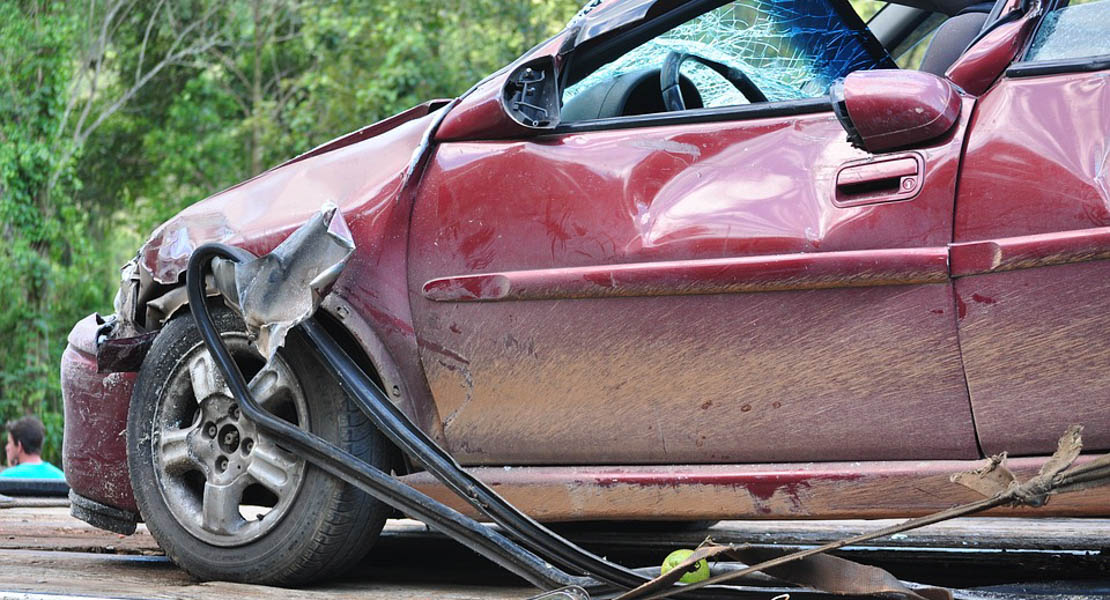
[256, 91]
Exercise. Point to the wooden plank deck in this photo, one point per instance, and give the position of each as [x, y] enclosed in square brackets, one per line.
[43, 550]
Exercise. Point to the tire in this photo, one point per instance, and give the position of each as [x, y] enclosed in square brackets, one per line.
[227, 502]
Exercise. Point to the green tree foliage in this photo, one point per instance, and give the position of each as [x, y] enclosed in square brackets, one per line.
[115, 114]
[867, 8]
[43, 263]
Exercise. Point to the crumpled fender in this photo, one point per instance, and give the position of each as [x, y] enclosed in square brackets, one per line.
[355, 172]
[364, 174]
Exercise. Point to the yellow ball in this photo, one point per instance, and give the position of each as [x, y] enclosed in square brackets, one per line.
[699, 572]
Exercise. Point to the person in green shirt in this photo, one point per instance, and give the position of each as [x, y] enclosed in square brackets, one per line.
[24, 450]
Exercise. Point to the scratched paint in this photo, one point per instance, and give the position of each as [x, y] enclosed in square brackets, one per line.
[1033, 233]
[802, 271]
[778, 380]
[1023, 337]
[618, 365]
[878, 489]
[94, 447]
[769, 491]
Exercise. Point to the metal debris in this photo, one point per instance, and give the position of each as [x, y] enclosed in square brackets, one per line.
[276, 292]
[116, 355]
[311, 259]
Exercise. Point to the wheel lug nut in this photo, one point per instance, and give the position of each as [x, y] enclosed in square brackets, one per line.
[248, 445]
[234, 412]
[210, 430]
[221, 464]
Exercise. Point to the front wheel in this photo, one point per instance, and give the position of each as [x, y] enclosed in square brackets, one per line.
[226, 500]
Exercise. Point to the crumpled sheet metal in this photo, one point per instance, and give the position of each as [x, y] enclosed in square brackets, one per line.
[277, 291]
[166, 254]
[117, 355]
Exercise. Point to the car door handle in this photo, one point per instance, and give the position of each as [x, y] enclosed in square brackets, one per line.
[872, 181]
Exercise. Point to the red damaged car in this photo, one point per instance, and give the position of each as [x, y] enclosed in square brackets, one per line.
[682, 261]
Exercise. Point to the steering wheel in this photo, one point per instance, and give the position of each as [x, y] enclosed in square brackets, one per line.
[669, 78]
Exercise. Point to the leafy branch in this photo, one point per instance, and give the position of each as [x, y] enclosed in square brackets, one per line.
[194, 37]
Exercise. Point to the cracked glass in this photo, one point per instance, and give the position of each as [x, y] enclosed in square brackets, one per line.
[790, 49]
[1079, 30]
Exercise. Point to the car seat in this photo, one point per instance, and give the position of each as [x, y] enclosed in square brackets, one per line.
[953, 37]
[634, 93]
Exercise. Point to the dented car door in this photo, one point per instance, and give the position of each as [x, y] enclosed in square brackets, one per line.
[715, 285]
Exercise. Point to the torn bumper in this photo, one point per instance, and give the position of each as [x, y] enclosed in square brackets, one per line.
[94, 449]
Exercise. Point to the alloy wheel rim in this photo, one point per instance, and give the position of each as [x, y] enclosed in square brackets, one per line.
[224, 480]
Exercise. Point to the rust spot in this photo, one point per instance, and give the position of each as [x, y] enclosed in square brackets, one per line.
[961, 307]
[937, 311]
[455, 328]
[776, 404]
[705, 405]
[983, 299]
[746, 408]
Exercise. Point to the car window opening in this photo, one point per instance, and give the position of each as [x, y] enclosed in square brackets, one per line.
[790, 50]
[1076, 30]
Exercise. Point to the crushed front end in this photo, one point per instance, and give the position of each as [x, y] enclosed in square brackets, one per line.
[101, 363]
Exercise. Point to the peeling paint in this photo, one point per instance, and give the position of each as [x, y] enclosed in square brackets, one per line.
[669, 146]
[753, 491]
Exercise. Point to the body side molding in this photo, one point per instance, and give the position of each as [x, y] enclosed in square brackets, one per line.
[777, 272]
[1030, 251]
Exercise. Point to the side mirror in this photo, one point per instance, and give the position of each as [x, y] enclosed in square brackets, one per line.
[520, 101]
[888, 109]
[531, 94]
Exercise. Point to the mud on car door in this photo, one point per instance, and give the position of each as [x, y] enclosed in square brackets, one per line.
[1032, 230]
[733, 282]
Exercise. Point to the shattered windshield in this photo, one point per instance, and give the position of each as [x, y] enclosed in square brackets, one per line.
[1078, 30]
[790, 49]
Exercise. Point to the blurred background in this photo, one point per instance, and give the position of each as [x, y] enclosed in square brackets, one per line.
[115, 114]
